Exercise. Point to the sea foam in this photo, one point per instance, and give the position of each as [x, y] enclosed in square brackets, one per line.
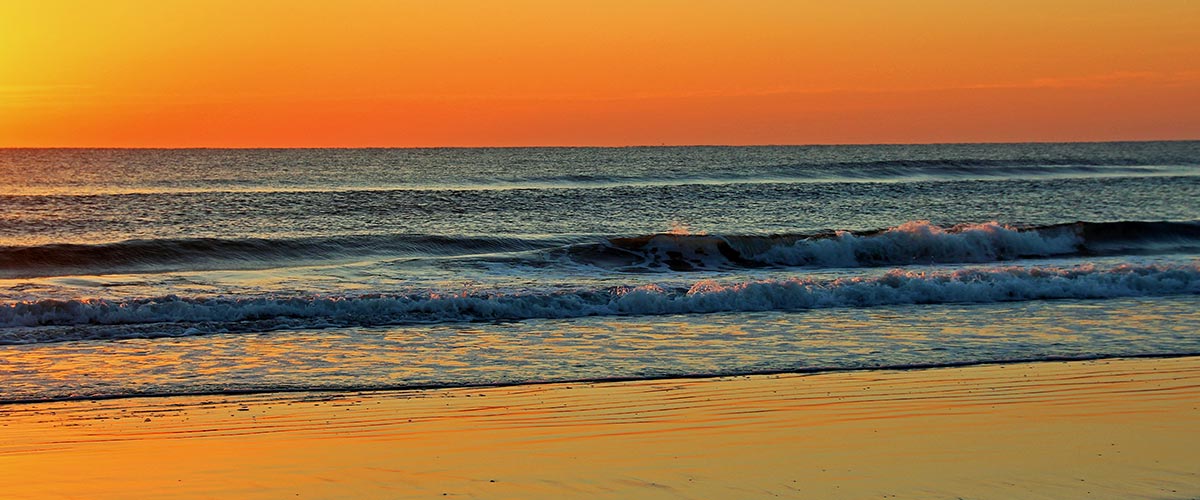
[23, 322]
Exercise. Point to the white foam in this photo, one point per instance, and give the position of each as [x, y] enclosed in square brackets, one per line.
[923, 242]
[895, 287]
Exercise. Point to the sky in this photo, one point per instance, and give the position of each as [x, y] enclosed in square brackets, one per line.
[358, 73]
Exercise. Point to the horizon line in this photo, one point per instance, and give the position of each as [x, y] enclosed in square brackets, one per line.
[627, 146]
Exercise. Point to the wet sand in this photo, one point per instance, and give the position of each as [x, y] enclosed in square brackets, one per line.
[1092, 429]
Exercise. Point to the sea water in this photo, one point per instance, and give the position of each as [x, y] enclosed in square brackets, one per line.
[153, 272]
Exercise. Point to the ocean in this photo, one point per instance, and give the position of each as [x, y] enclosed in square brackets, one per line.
[140, 272]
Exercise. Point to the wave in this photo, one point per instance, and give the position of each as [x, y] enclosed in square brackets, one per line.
[917, 242]
[1000, 166]
[66, 320]
[862, 171]
[209, 253]
[894, 170]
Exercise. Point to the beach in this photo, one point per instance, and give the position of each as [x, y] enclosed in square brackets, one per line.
[611, 250]
[1119, 428]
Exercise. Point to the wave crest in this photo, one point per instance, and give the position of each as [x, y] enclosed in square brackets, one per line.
[60, 320]
[916, 242]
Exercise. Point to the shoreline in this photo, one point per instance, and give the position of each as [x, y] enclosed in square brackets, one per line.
[1106, 428]
[334, 391]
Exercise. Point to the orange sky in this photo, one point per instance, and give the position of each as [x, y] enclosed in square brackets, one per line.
[244, 73]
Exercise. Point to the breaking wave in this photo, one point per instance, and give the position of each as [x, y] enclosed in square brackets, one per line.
[63, 320]
[917, 242]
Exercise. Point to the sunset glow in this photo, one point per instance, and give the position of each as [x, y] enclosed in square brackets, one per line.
[481, 73]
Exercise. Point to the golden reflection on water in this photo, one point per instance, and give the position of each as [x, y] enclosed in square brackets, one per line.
[603, 347]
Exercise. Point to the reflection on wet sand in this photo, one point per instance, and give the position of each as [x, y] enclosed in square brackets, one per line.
[1108, 429]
